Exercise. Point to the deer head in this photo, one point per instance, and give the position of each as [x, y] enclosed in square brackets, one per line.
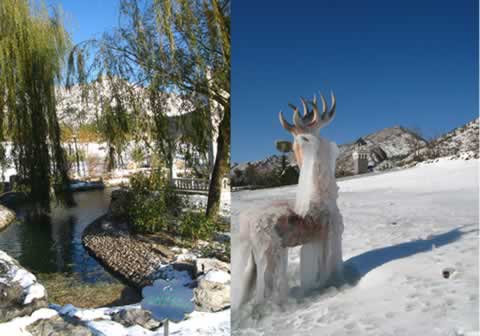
[315, 156]
[307, 126]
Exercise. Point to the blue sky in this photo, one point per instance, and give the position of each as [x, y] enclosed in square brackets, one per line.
[86, 19]
[409, 63]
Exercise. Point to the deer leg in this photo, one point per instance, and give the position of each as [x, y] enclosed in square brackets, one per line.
[261, 286]
[244, 267]
[267, 264]
[312, 265]
[280, 277]
[272, 281]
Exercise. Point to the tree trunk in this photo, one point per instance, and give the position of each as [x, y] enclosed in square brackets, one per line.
[221, 166]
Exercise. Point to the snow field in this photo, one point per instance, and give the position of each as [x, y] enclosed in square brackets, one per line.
[402, 230]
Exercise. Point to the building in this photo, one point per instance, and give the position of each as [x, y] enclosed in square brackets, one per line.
[360, 159]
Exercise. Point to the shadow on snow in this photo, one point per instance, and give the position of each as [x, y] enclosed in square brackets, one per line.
[357, 267]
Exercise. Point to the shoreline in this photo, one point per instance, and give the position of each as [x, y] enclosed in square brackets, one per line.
[127, 258]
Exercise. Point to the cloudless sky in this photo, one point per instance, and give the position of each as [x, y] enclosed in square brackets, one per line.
[399, 62]
[410, 62]
[86, 19]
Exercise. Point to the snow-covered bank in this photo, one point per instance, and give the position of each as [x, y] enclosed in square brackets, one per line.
[402, 230]
[99, 322]
[27, 312]
[20, 292]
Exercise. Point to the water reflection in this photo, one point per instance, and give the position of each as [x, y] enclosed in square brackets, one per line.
[52, 244]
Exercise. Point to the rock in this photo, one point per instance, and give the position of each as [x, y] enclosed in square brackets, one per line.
[107, 328]
[448, 272]
[20, 293]
[211, 296]
[221, 237]
[7, 216]
[58, 326]
[119, 203]
[13, 199]
[213, 291]
[204, 265]
[218, 276]
[131, 317]
[213, 250]
[185, 266]
[163, 250]
[123, 254]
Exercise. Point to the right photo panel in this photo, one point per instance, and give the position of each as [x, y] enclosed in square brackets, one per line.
[354, 168]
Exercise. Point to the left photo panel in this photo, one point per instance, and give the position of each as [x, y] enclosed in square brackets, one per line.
[114, 167]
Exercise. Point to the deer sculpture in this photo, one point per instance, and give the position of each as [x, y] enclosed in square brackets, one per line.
[259, 260]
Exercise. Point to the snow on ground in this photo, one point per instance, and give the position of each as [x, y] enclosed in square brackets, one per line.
[197, 323]
[402, 230]
[18, 326]
[99, 320]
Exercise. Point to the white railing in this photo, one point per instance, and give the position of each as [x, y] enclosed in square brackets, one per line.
[190, 184]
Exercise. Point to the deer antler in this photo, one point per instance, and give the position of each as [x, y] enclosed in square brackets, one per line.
[311, 120]
[327, 115]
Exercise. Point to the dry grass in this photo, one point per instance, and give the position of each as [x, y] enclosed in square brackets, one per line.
[64, 288]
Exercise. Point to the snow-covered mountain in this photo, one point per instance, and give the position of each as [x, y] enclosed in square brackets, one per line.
[387, 145]
[462, 142]
[79, 106]
[390, 147]
[76, 106]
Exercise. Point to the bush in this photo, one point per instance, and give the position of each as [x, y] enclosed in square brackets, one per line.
[153, 204]
[194, 225]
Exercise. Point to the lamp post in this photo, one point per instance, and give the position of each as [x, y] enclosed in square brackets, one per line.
[284, 147]
[76, 154]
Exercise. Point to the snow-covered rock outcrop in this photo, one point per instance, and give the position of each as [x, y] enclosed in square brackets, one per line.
[213, 291]
[461, 143]
[6, 216]
[460, 140]
[20, 292]
[129, 320]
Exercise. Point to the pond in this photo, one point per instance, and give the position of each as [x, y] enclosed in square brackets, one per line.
[51, 246]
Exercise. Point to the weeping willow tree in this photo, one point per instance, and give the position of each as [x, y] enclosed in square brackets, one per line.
[174, 50]
[33, 44]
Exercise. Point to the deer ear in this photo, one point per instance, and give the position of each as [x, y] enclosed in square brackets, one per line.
[284, 146]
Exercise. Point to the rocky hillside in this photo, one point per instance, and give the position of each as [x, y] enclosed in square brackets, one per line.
[391, 147]
[462, 142]
[264, 172]
[384, 148]
[263, 166]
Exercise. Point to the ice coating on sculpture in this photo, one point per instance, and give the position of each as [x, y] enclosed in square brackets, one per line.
[259, 260]
[317, 190]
